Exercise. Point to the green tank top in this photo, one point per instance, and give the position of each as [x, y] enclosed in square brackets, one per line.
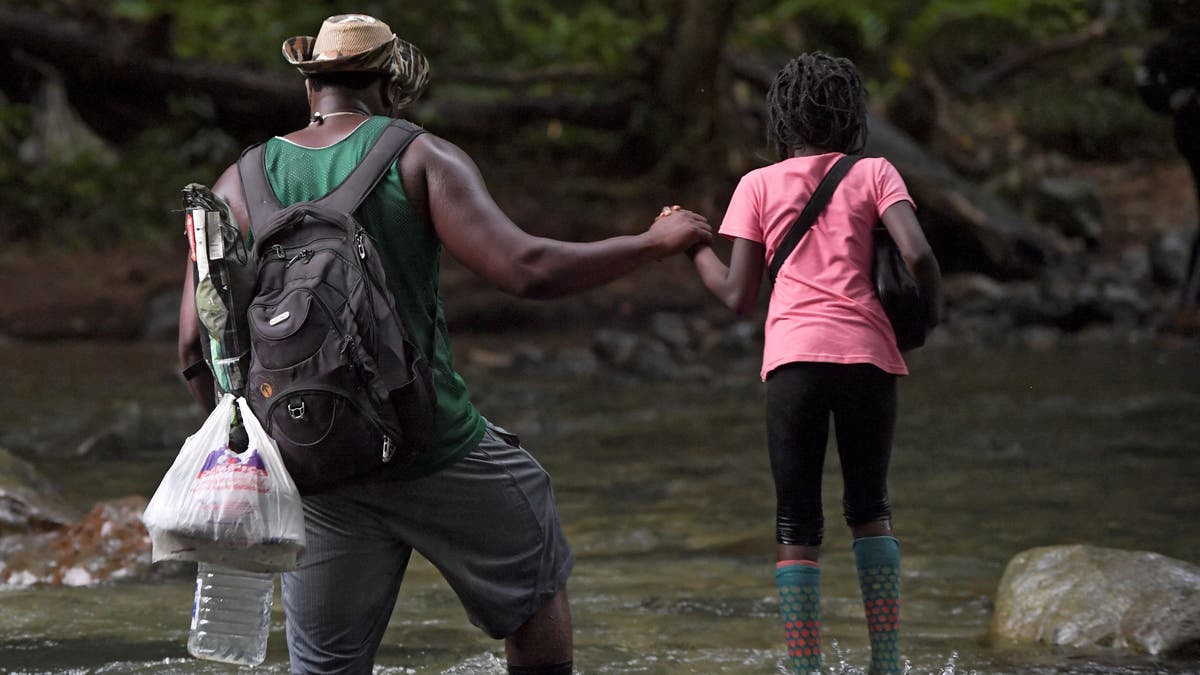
[410, 252]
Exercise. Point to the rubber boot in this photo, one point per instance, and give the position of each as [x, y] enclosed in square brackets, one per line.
[799, 583]
[878, 562]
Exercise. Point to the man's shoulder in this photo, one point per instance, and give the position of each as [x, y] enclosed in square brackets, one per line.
[427, 142]
[435, 155]
[229, 188]
[229, 182]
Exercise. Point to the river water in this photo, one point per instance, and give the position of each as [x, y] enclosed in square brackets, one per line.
[665, 494]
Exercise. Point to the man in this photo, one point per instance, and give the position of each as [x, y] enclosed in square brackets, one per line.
[1169, 83]
[475, 481]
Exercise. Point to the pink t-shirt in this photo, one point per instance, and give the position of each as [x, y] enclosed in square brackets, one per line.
[824, 306]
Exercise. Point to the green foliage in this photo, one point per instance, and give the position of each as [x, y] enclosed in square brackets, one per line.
[891, 41]
[1093, 123]
[604, 34]
[516, 33]
[893, 38]
[1032, 19]
[14, 124]
[92, 199]
[532, 34]
[823, 24]
[248, 32]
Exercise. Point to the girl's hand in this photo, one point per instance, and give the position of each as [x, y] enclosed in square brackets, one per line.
[678, 229]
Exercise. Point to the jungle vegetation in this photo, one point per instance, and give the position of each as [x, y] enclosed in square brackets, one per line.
[109, 107]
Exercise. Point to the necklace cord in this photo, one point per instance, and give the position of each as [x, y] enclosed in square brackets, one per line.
[319, 118]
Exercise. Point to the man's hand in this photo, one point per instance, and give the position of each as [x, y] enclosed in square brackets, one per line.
[676, 229]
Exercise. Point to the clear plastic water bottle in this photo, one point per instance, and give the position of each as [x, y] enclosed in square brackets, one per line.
[231, 617]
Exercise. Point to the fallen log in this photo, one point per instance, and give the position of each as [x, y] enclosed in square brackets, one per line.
[120, 88]
[971, 229]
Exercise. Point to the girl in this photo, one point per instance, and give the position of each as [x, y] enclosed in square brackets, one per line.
[829, 348]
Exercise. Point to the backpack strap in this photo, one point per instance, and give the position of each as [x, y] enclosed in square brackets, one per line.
[387, 148]
[261, 202]
[812, 209]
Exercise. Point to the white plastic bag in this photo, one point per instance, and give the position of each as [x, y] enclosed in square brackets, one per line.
[218, 506]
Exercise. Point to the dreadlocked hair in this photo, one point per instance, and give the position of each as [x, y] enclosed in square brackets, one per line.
[817, 101]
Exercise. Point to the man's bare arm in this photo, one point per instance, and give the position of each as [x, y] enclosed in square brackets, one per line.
[477, 233]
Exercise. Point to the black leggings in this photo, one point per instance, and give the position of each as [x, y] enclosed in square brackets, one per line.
[800, 398]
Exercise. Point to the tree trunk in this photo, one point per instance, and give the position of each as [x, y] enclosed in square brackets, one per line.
[120, 85]
[686, 91]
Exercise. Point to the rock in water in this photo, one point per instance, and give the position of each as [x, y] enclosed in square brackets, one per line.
[29, 502]
[1086, 596]
[109, 544]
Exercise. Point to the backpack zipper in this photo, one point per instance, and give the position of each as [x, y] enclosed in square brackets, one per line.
[378, 285]
[305, 255]
[364, 271]
[358, 241]
[360, 236]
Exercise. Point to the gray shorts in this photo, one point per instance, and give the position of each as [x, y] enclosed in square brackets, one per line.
[488, 523]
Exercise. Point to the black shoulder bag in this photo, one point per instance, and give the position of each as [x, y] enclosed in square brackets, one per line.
[898, 291]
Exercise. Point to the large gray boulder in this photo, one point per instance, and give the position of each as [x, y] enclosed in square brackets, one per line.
[1085, 596]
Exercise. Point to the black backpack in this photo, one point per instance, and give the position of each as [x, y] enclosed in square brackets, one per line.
[333, 376]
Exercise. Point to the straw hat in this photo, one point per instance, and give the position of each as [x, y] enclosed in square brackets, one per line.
[359, 43]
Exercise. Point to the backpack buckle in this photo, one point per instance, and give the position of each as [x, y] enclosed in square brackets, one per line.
[389, 448]
[296, 410]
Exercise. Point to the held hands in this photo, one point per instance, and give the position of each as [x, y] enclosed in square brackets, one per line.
[677, 229]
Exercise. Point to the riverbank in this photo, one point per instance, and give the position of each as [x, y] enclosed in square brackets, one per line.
[1124, 279]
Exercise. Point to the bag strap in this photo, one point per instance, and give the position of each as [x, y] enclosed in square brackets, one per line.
[389, 145]
[814, 207]
[262, 203]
